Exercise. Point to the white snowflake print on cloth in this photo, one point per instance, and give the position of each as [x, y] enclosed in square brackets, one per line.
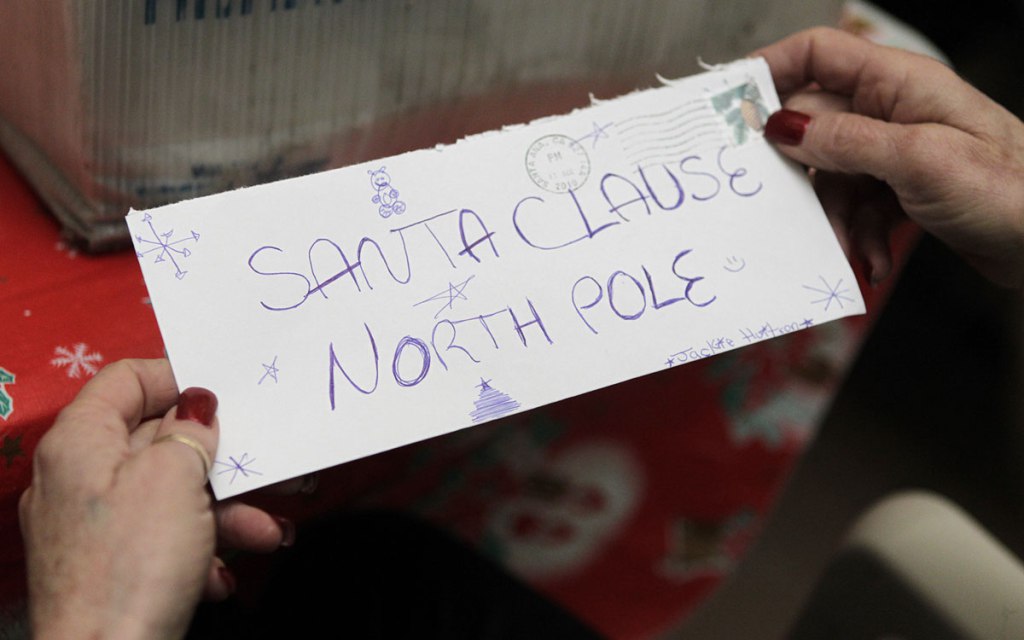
[78, 361]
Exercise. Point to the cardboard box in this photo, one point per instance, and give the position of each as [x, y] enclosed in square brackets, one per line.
[107, 104]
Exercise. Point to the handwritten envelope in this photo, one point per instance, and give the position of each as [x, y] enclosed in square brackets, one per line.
[353, 311]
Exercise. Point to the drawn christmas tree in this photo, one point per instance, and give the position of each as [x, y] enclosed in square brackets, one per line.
[491, 403]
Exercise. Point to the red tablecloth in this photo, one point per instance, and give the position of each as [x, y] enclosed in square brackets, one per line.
[628, 505]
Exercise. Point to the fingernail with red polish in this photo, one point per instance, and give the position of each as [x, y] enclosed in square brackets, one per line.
[287, 531]
[229, 579]
[198, 405]
[787, 127]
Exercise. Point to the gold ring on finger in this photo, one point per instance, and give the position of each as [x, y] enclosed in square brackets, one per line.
[191, 444]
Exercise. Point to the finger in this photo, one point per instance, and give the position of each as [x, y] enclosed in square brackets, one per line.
[838, 195]
[187, 436]
[873, 244]
[246, 528]
[131, 390]
[816, 100]
[906, 157]
[873, 223]
[90, 436]
[851, 143]
[877, 78]
[220, 582]
[304, 485]
[142, 436]
[863, 212]
[24, 504]
[860, 209]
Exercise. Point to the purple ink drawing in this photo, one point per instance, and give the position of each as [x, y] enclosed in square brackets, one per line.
[386, 195]
[236, 466]
[832, 293]
[269, 371]
[448, 296]
[491, 403]
[598, 132]
[166, 249]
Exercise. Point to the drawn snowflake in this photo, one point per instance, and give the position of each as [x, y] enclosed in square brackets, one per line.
[236, 466]
[78, 361]
[832, 293]
[166, 250]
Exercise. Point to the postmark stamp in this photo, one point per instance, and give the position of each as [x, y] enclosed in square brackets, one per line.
[557, 163]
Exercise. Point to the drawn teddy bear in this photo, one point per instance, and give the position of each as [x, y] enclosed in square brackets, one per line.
[387, 196]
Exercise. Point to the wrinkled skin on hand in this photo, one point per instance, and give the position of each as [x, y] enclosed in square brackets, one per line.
[893, 133]
[121, 532]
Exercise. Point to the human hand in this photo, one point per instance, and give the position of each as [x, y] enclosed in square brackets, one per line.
[119, 529]
[890, 132]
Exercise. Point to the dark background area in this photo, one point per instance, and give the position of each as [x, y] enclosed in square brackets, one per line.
[983, 38]
[944, 363]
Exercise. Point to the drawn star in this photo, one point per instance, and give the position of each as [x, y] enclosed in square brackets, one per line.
[596, 134]
[484, 386]
[807, 322]
[271, 371]
[238, 466]
[832, 293]
[670, 362]
[449, 296]
[11, 449]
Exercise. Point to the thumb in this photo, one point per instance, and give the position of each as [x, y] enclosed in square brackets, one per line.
[840, 142]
